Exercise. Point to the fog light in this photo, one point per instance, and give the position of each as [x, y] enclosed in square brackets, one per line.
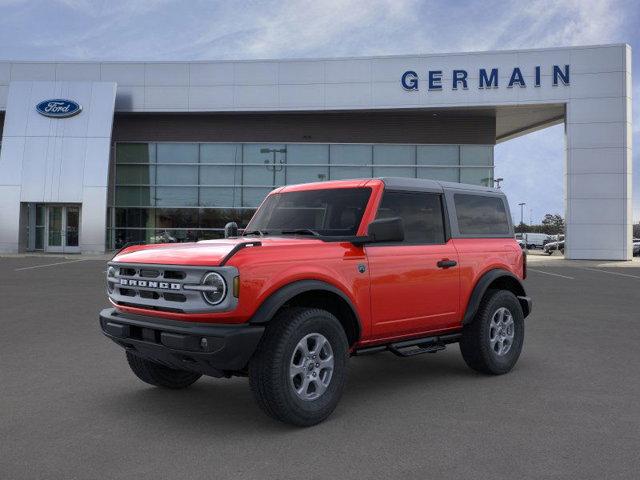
[204, 343]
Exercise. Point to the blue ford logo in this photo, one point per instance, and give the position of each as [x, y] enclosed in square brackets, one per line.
[58, 108]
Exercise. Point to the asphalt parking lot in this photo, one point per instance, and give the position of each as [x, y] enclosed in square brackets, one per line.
[70, 408]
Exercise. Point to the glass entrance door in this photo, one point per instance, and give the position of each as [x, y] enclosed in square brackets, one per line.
[54, 230]
[62, 229]
[72, 229]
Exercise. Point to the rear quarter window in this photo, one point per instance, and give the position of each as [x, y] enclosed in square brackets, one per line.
[481, 215]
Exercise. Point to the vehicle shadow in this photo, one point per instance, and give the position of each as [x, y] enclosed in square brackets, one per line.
[374, 376]
[228, 405]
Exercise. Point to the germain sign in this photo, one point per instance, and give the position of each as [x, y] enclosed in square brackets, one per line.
[487, 78]
[58, 108]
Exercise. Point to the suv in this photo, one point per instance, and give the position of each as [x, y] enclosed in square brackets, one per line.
[325, 271]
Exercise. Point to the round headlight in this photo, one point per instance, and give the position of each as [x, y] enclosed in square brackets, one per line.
[216, 288]
[111, 273]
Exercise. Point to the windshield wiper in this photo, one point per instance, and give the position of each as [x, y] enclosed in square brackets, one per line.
[260, 233]
[301, 231]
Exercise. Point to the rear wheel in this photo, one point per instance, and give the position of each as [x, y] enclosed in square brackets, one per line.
[298, 372]
[159, 375]
[492, 342]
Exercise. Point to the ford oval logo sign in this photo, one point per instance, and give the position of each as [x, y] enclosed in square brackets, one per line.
[58, 108]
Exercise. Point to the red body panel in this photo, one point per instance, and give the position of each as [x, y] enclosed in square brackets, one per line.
[409, 293]
[402, 292]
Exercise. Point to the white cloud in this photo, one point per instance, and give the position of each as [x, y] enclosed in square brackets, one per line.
[241, 29]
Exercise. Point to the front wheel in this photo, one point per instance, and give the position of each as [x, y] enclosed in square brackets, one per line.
[299, 370]
[492, 342]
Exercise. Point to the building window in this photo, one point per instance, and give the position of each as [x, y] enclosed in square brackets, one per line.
[189, 191]
[441, 162]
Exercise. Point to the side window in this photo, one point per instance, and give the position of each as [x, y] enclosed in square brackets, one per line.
[421, 214]
[481, 215]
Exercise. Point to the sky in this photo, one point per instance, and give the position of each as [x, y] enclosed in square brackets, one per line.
[532, 166]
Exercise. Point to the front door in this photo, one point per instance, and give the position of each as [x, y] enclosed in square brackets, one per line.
[412, 290]
[62, 229]
[72, 229]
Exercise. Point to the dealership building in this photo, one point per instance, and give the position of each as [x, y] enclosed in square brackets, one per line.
[96, 155]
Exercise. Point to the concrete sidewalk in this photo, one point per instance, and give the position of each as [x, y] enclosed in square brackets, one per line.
[540, 259]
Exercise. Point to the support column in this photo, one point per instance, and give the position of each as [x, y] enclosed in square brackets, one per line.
[598, 205]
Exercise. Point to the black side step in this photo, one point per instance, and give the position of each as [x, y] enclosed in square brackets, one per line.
[411, 350]
[415, 346]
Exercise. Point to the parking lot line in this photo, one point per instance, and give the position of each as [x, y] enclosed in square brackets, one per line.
[611, 273]
[48, 265]
[549, 273]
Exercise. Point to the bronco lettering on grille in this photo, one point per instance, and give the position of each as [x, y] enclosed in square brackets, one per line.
[145, 283]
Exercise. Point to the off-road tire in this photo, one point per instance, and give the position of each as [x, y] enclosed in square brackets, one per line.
[159, 375]
[269, 375]
[475, 344]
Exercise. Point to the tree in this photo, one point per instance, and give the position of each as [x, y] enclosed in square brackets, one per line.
[636, 230]
[553, 224]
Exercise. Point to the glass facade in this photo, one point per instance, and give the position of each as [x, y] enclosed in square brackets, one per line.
[188, 191]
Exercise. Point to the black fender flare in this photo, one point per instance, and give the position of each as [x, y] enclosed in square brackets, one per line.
[483, 285]
[277, 299]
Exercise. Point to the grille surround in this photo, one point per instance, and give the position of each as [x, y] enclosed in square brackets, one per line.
[153, 288]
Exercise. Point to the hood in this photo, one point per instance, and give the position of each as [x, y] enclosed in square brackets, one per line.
[204, 253]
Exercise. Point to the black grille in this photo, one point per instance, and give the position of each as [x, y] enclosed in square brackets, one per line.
[174, 297]
[174, 275]
[149, 294]
[159, 287]
[149, 273]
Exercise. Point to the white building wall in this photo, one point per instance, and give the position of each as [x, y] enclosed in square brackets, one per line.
[598, 106]
[56, 160]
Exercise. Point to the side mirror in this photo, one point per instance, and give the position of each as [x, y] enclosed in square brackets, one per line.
[231, 230]
[386, 230]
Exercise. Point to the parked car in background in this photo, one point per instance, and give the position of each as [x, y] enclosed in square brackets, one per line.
[536, 240]
[636, 247]
[533, 240]
[554, 238]
[551, 247]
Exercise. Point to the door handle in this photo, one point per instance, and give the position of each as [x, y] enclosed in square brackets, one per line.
[447, 263]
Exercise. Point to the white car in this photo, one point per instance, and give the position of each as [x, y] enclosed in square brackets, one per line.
[533, 240]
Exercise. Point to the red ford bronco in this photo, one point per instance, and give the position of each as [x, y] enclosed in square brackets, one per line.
[325, 271]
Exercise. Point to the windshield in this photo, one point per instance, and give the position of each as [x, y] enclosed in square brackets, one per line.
[326, 212]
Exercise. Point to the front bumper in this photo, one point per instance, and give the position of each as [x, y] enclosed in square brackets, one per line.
[211, 349]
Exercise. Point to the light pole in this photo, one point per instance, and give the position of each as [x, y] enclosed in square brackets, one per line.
[522, 212]
[273, 165]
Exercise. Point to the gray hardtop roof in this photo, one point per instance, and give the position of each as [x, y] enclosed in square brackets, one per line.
[435, 185]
